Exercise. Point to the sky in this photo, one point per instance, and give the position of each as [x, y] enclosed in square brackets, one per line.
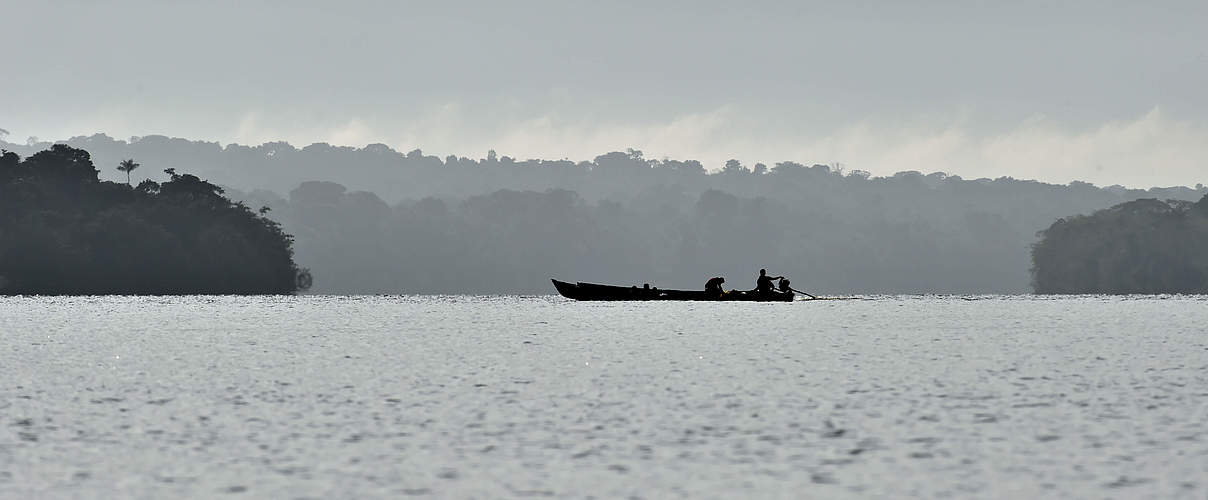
[1105, 92]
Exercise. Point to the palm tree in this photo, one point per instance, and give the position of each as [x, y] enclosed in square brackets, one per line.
[127, 166]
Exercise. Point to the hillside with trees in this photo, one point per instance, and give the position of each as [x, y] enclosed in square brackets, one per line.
[1144, 246]
[375, 220]
[620, 176]
[63, 231]
[904, 234]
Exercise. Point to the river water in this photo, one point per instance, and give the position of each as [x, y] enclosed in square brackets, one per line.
[488, 397]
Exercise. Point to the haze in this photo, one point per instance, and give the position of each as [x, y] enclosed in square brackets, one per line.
[1110, 94]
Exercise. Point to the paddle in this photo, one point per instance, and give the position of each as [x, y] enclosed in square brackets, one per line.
[803, 293]
[784, 283]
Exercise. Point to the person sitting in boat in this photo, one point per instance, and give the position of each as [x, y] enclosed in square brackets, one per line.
[713, 286]
[784, 285]
[763, 284]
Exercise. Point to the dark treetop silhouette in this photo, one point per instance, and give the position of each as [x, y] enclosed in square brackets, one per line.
[62, 231]
[127, 166]
[1142, 246]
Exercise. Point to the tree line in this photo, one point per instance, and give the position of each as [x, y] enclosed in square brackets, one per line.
[398, 176]
[1144, 246]
[893, 235]
[64, 231]
[374, 220]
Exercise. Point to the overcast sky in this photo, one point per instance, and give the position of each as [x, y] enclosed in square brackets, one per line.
[1109, 92]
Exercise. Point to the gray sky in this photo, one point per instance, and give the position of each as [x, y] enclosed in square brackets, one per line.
[1109, 92]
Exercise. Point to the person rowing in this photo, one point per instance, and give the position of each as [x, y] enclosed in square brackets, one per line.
[786, 287]
[763, 284]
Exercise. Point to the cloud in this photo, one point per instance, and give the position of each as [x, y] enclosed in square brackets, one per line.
[249, 130]
[693, 135]
[1147, 150]
[1150, 149]
[354, 132]
[253, 129]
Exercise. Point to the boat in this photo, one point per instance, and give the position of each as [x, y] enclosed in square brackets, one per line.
[593, 291]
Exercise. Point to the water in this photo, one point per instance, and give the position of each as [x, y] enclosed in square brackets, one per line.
[339, 397]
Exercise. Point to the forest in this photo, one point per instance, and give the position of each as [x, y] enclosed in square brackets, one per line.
[1145, 246]
[619, 176]
[830, 232]
[64, 231]
[375, 220]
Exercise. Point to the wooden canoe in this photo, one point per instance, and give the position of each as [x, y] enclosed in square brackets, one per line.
[593, 291]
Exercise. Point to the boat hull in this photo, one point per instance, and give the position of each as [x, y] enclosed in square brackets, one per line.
[593, 291]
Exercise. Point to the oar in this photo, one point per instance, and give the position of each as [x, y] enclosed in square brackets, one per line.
[803, 293]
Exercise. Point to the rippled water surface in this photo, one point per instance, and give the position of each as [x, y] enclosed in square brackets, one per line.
[326, 397]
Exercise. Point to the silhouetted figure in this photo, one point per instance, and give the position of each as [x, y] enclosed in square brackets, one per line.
[713, 286]
[763, 284]
[784, 285]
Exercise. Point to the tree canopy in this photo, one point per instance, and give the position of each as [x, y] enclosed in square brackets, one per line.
[376, 220]
[1142, 246]
[62, 231]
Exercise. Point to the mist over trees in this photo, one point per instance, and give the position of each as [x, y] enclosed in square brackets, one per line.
[370, 220]
[397, 176]
[1142, 246]
[63, 231]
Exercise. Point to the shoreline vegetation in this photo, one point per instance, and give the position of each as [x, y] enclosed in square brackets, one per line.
[414, 223]
[1144, 246]
[63, 231]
